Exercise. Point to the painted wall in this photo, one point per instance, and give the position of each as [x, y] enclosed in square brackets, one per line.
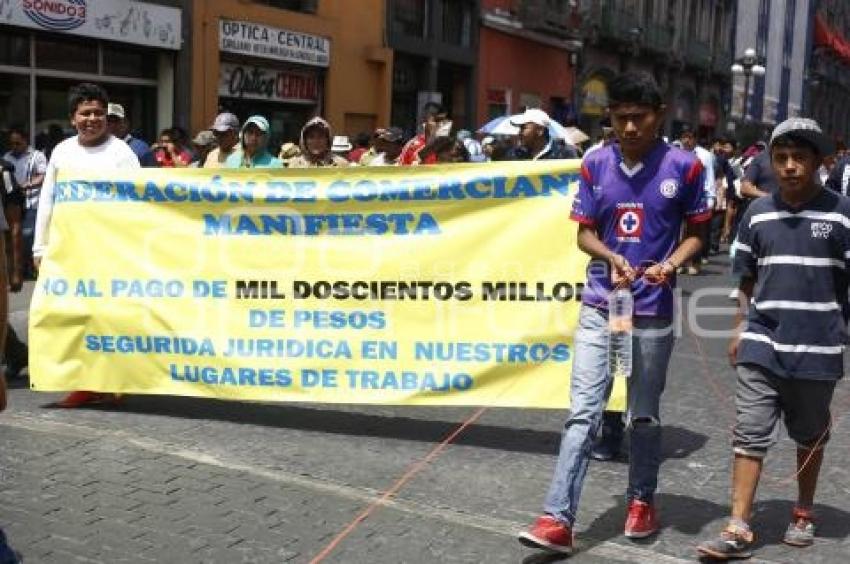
[522, 66]
[358, 82]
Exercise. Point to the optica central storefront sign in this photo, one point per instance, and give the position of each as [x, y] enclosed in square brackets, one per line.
[257, 40]
[258, 83]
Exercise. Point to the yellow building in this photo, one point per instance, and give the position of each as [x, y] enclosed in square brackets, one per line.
[251, 58]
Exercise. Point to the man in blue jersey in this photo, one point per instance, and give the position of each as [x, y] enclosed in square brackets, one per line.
[792, 258]
[633, 198]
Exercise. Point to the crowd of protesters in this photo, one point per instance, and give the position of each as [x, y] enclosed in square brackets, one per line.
[706, 194]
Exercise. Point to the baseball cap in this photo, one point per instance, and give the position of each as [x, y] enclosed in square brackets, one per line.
[225, 121]
[341, 143]
[390, 134]
[531, 115]
[116, 110]
[261, 122]
[807, 129]
[289, 151]
[204, 138]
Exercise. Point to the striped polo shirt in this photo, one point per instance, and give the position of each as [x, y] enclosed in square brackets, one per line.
[797, 322]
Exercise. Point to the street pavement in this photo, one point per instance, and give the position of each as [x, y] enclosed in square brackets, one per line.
[184, 480]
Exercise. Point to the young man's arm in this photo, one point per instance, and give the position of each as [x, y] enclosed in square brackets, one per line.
[745, 294]
[43, 214]
[695, 234]
[750, 182]
[13, 214]
[731, 208]
[697, 215]
[750, 190]
[590, 243]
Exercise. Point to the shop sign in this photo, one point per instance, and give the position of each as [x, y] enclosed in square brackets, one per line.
[257, 40]
[127, 21]
[257, 83]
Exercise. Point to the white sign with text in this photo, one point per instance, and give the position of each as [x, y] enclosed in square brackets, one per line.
[257, 40]
[121, 20]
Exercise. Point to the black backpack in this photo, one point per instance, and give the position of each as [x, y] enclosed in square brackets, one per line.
[11, 192]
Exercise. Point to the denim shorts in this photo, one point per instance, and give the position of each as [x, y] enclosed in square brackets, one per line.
[761, 397]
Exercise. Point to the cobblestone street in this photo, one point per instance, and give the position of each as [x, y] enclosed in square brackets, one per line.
[183, 480]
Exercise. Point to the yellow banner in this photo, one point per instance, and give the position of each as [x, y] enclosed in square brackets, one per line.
[444, 285]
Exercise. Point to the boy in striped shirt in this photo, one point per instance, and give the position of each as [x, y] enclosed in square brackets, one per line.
[792, 251]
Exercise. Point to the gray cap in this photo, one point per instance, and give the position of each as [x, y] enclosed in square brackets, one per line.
[807, 129]
[204, 138]
[225, 121]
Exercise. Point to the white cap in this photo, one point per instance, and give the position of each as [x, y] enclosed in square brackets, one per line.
[116, 110]
[341, 144]
[531, 115]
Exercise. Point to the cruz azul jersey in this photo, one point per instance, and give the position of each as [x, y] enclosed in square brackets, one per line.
[638, 213]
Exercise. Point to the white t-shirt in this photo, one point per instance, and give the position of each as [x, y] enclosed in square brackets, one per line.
[707, 159]
[28, 164]
[69, 154]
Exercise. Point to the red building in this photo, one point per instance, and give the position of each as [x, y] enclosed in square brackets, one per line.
[527, 59]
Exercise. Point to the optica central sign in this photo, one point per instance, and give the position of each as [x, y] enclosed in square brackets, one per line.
[257, 83]
[57, 15]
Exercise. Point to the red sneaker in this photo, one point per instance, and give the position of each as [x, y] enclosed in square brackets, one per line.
[641, 521]
[80, 398]
[549, 534]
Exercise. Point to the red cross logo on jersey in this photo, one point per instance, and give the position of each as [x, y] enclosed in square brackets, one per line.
[629, 223]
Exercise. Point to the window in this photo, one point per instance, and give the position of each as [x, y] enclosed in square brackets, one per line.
[14, 104]
[66, 54]
[306, 6]
[125, 60]
[457, 22]
[51, 105]
[648, 12]
[409, 18]
[14, 48]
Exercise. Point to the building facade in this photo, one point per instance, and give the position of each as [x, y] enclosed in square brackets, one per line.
[828, 87]
[435, 56]
[290, 60]
[685, 44]
[527, 57]
[779, 31]
[130, 48]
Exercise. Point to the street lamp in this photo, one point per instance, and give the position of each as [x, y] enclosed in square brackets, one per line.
[749, 65]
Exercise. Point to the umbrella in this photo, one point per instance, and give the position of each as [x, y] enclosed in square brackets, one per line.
[488, 127]
[505, 127]
[556, 130]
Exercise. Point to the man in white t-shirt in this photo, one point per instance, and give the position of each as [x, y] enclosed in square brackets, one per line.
[93, 147]
[689, 143]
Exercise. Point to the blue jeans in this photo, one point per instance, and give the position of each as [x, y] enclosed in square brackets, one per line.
[590, 387]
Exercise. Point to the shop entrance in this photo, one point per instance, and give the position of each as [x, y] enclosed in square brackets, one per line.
[286, 120]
